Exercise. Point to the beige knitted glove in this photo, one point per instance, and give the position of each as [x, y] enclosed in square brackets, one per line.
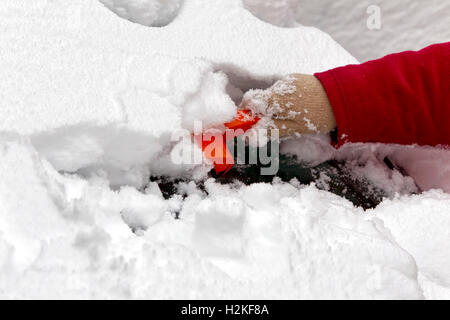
[297, 104]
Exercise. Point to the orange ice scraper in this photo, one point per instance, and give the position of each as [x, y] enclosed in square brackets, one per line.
[219, 153]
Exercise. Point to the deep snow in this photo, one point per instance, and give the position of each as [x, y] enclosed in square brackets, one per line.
[405, 24]
[89, 102]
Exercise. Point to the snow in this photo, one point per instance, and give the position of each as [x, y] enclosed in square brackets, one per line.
[137, 74]
[156, 13]
[89, 104]
[405, 24]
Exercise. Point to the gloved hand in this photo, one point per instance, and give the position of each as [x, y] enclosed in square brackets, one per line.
[297, 104]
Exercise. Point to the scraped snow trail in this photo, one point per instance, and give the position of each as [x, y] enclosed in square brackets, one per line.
[88, 104]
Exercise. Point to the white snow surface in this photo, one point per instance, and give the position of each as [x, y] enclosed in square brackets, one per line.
[156, 13]
[404, 24]
[88, 104]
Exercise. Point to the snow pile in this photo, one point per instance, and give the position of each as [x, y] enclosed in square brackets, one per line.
[63, 236]
[157, 13]
[102, 92]
[279, 12]
[89, 103]
[405, 24]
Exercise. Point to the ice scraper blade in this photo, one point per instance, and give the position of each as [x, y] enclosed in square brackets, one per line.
[220, 155]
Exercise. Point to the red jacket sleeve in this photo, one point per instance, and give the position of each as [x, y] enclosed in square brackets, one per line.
[402, 98]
